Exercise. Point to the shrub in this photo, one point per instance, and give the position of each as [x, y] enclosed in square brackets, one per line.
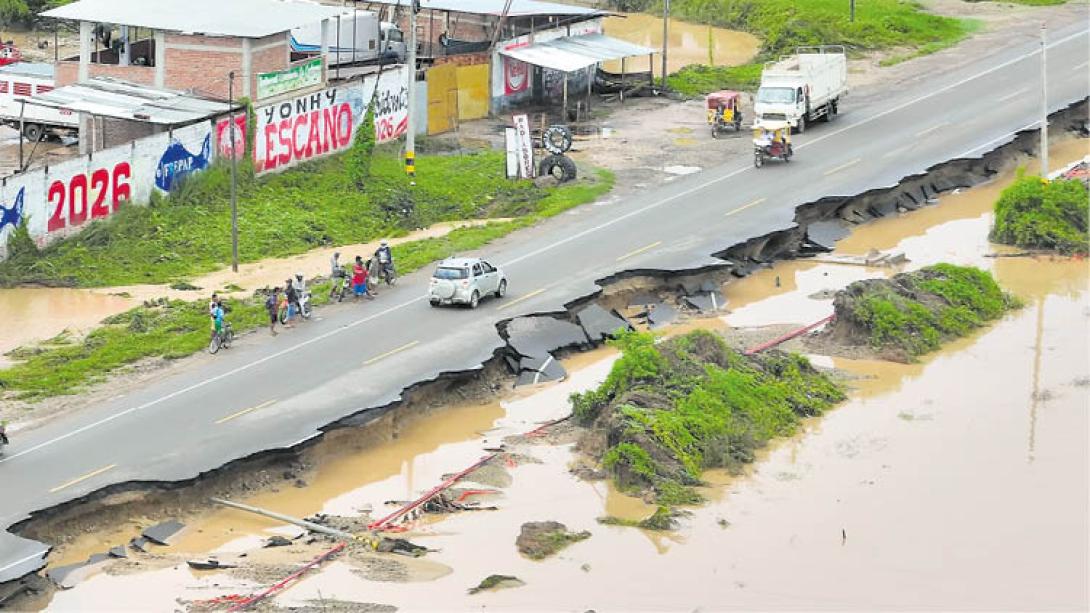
[1037, 214]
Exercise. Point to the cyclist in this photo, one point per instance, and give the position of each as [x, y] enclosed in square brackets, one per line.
[217, 318]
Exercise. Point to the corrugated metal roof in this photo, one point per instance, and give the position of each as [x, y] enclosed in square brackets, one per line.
[33, 69]
[243, 18]
[519, 8]
[571, 53]
[108, 97]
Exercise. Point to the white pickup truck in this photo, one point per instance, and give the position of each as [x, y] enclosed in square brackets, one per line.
[804, 87]
[24, 80]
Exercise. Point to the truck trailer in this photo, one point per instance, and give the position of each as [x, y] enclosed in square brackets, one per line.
[358, 37]
[22, 81]
[804, 87]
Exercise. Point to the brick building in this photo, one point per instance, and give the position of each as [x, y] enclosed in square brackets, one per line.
[187, 45]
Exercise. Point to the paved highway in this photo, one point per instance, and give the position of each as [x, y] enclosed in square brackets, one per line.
[268, 393]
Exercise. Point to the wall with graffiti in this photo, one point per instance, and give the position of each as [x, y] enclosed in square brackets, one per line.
[323, 123]
[61, 200]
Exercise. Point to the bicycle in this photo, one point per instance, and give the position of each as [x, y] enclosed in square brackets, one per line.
[221, 339]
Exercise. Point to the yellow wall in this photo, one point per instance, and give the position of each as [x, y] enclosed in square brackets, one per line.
[472, 92]
[442, 98]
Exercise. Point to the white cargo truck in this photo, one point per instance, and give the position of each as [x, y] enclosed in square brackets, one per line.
[22, 81]
[804, 87]
[357, 37]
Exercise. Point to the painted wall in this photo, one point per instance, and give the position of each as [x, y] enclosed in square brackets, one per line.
[325, 122]
[60, 200]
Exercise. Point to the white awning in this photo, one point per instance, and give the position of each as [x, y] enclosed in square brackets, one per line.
[107, 97]
[571, 53]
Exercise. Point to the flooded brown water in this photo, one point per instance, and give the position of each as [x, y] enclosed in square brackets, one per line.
[959, 482]
[690, 43]
[42, 313]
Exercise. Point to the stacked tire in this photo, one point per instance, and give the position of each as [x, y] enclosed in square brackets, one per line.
[557, 140]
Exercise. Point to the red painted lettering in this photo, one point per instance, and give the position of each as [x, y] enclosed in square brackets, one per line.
[56, 198]
[100, 185]
[77, 200]
[314, 138]
[329, 122]
[299, 142]
[270, 147]
[285, 142]
[122, 190]
[344, 124]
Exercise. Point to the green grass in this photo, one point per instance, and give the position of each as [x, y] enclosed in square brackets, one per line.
[188, 234]
[1036, 214]
[176, 329]
[674, 409]
[914, 313]
[698, 79]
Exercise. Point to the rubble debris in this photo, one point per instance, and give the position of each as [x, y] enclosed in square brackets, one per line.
[534, 370]
[302, 523]
[541, 539]
[138, 543]
[660, 315]
[642, 298]
[825, 234]
[209, 564]
[400, 546]
[873, 258]
[277, 541]
[118, 552]
[67, 576]
[661, 519]
[600, 324]
[706, 302]
[493, 582]
[539, 336]
[30, 585]
[161, 533]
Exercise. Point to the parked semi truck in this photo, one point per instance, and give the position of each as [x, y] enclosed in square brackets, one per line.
[804, 87]
[21, 81]
[357, 37]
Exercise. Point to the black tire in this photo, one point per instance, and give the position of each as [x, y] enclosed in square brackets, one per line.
[33, 132]
[799, 129]
[557, 139]
[434, 303]
[758, 159]
[559, 167]
[474, 299]
[832, 111]
[501, 291]
[715, 131]
[228, 338]
[214, 344]
[282, 315]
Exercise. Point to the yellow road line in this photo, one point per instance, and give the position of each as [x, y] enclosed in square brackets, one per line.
[521, 299]
[639, 251]
[843, 166]
[244, 411]
[932, 128]
[744, 207]
[391, 352]
[93, 473]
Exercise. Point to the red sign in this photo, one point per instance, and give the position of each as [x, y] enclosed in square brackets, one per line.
[88, 196]
[516, 76]
[238, 134]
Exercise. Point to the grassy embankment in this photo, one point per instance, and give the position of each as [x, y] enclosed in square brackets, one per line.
[1047, 215]
[670, 410]
[783, 25]
[914, 313]
[290, 213]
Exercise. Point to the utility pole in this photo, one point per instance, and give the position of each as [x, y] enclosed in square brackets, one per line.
[1044, 101]
[410, 137]
[234, 169]
[665, 36]
[851, 11]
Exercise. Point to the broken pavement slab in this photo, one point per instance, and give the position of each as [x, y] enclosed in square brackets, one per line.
[69, 575]
[540, 336]
[209, 564]
[825, 234]
[707, 298]
[118, 552]
[540, 370]
[139, 543]
[600, 324]
[161, 533]
[661, 315]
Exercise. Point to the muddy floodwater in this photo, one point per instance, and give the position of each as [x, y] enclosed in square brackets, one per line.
[959, 482]
[42, 313]
[690, 43]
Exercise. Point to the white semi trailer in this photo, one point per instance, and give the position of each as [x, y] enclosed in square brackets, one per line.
[357, 37]
[22, 81]
[804, 87]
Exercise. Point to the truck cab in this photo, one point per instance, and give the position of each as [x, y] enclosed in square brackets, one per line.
[393, 42]
[803, 88]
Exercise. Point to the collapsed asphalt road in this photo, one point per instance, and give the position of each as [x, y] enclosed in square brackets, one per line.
[277, 393]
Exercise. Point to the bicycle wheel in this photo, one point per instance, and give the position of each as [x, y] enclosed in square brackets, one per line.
[283, 316]
[228, 338]
[214, 344]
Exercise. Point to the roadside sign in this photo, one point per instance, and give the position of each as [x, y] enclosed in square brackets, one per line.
[510, 141]
[525, 146]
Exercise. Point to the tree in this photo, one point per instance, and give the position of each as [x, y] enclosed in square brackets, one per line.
[13, 11]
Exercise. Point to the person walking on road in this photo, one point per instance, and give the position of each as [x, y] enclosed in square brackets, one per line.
[292, 297]
[336, 274]
[272, 304]
[359, 279]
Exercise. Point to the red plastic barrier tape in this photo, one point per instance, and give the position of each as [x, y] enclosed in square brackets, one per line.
[789, 335]
[383, 523]
[284, 583]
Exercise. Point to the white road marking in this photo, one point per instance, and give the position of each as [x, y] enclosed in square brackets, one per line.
[244, 411]
[26, 559]
[744, 207]
[537, 375]
[639, 251]
[541, 250]
[1080, 66]
[391, 352]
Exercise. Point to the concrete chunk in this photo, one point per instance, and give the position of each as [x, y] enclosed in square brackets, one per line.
[660, 315]
[536, 370]
[540, 336]
[826, 233]
[600, 324]
[118, 552]
[138, 543]
[707, 302]
[161, 534]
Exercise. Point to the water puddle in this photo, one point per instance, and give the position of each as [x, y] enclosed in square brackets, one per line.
[690, 43]
[34, 314]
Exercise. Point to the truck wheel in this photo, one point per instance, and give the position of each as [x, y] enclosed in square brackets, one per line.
[557, 139]
[833, 110]
[559, 166]
[33, 132]
[801, 127]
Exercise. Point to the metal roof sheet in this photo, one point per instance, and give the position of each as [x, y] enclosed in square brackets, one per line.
[33, 69]
[519, 8]
[243, 18]
[107, 97]
[570, 53]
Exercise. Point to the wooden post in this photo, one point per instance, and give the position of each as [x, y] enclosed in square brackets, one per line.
[622, 79]
[565, 111]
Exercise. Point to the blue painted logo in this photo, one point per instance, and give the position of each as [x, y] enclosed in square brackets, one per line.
[177, 163]
[12, 216]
